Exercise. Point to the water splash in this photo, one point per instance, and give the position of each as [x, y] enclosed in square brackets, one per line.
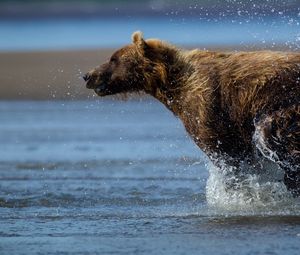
[258, 189]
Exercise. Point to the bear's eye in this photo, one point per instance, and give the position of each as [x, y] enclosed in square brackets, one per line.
[113, 59]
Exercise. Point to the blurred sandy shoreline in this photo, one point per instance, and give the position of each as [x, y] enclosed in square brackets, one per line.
[53, 75]
[47, 75]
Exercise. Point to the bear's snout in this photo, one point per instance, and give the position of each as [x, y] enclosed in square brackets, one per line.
[86, 77]
[97, 76]
[92, 79]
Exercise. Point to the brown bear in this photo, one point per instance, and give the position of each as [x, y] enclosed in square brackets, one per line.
[234, 105]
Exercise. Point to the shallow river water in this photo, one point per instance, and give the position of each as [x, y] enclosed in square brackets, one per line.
[114, 177]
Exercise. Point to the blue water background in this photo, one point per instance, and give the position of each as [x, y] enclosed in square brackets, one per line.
[51, 34]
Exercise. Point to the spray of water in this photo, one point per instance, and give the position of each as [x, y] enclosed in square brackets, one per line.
[257, 189]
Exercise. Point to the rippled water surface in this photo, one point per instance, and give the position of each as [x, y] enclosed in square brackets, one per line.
[111, 177]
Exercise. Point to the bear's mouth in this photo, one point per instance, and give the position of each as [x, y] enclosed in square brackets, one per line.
[101, 90]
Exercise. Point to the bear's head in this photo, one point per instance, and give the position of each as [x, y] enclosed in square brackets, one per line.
[140, 66]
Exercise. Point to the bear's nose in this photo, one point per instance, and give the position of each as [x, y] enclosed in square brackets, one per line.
[86, 77]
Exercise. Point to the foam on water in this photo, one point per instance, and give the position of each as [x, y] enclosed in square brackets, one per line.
[251, 192]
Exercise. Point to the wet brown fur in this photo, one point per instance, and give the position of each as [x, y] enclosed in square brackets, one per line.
[220, 97]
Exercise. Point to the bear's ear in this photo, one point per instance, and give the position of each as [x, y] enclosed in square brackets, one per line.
[138, 40]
